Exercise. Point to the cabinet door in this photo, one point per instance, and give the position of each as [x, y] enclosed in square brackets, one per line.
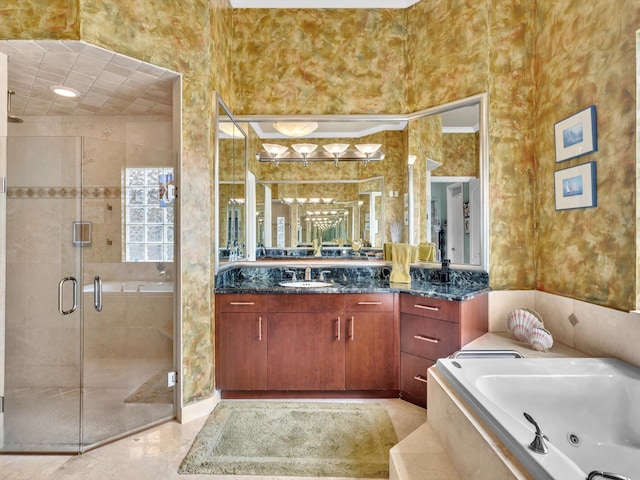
[369, 351]
[413, 378]
[242, 351]
[306, 351]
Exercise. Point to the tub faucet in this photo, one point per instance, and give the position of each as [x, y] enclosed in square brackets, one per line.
[161, 268]
[538, 444]
[612, 476]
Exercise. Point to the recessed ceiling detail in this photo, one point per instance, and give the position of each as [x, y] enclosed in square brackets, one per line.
[108, 83]
[322, 3]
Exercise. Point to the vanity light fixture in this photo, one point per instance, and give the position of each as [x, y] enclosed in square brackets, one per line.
[67, 92]
[274, 150]
[304, 149]
[336, 149]
[295, 129]
[368, 149]
[307, 152]
[411, 159]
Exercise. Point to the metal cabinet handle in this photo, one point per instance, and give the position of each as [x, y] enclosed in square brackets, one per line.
[427, 307]
[242, 303]
[61, 295]
[260, 328]
[353, 328]
[338, 324]
[420, 378]
[426, 339]
[369, 303]
[97, 293]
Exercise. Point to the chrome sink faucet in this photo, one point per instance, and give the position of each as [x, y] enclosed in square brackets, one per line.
[307, 273]
[293, 275]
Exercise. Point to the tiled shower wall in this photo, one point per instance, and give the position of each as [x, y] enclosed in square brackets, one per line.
[43, 200]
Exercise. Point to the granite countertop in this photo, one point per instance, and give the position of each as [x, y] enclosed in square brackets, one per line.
[243, 278]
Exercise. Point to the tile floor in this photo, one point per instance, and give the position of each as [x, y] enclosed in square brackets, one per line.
[155, 454]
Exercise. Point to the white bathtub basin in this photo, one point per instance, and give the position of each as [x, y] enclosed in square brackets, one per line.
[131, 286]
[156, 287]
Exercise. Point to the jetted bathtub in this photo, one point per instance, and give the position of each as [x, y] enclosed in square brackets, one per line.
[588, 408]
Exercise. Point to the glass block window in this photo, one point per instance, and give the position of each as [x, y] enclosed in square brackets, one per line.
[149, 197]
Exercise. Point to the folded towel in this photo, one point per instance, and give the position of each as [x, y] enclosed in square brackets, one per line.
[402, 255]
[427, 252]
[386, 251]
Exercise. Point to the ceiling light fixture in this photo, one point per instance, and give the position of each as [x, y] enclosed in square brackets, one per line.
[231, 129]
[67, 92]
[295, 129]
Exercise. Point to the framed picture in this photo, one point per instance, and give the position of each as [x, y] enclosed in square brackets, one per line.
[576, 135]
[575, 187]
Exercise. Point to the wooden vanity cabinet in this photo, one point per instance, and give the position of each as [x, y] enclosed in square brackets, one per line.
[432, 328]
[241, 343]
[306, 342]
[370, 339]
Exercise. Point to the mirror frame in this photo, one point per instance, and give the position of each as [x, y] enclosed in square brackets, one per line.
[482, 99]
[216, 184]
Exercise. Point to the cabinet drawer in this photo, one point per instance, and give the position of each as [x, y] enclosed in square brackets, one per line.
[413, 378]
[427, 337]
[369, 302]
[241, 302]
[306, 303]
[430, 307]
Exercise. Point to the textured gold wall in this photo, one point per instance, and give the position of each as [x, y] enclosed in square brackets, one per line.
[319, 61]
[191, 37]
[459, 48]
[586, 56]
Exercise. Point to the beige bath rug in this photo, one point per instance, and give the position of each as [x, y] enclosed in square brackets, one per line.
[302, 439]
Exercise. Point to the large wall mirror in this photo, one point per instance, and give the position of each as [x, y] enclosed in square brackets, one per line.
[366, 179]
[449, 180]
[229, 191]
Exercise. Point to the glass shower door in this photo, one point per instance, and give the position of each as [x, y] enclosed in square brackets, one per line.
[128, 325]
[43, 327]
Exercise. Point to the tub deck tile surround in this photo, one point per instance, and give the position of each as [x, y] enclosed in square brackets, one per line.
[453, 444]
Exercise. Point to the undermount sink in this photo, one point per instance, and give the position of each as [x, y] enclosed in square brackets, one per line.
[306, 284]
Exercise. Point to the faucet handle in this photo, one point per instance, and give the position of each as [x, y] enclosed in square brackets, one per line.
[321, 277]
[293, 275]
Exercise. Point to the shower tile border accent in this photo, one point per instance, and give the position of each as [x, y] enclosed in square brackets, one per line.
[63, 192]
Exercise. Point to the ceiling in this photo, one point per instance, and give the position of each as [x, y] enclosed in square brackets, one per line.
[322, 3]
[109, 83]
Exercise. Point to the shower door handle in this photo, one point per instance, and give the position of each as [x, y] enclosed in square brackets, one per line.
[97, 293]
[61, 295]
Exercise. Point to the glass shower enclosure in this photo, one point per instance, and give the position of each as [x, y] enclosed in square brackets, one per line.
[89, 310]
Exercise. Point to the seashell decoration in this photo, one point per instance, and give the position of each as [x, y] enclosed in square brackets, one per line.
[521, 323]
[541, 339]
